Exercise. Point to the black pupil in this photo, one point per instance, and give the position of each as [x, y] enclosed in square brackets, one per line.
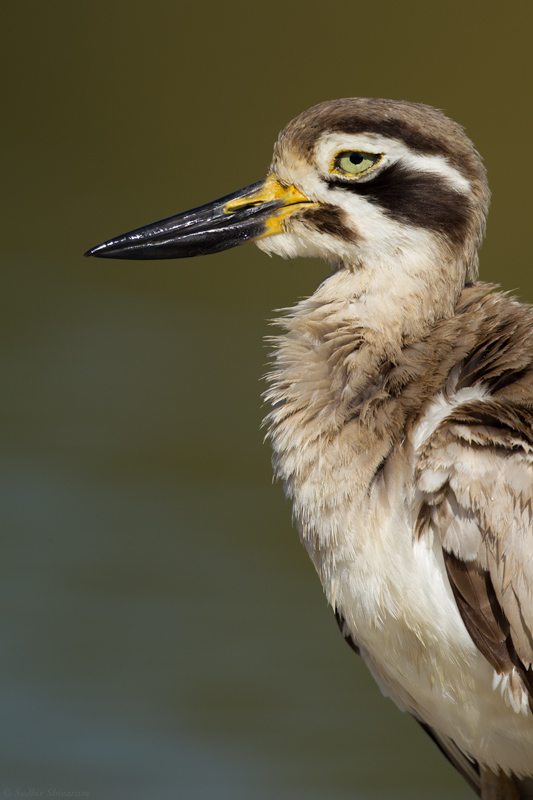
[356, 158]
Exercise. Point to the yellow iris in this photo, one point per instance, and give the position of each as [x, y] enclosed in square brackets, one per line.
[353, 162]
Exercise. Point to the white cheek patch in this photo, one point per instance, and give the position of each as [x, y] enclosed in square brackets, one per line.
[378, 237]
[309, 244]
[378, 241]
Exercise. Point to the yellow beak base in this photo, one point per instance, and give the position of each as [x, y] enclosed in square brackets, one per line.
[286, 200]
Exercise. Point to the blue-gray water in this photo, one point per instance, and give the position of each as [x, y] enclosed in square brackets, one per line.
[163, 633]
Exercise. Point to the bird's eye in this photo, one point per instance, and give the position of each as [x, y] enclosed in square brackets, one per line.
[353, 162]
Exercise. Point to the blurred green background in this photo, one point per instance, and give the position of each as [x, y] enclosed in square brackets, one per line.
[163, 634]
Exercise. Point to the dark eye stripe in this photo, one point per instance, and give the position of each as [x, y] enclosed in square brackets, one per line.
[421, 199]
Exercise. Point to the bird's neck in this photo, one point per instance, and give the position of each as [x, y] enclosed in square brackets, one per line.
[398, 294]
[336, 341]
[337, 384]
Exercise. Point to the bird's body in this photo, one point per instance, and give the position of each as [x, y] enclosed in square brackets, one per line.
[362, 489]
[402, 415]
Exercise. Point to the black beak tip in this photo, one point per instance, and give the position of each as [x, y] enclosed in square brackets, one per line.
[97, 251]
[105, 250]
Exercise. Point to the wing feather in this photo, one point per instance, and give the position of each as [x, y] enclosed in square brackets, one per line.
[475, 475]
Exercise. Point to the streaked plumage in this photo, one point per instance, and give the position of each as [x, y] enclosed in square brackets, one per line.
[402, 414]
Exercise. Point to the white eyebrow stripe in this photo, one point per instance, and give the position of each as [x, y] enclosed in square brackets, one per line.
[437, 165]
[394, 151]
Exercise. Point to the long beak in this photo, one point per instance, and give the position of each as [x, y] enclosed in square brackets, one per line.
[251, 213]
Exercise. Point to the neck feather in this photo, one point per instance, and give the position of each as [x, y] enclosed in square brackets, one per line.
[341, 386]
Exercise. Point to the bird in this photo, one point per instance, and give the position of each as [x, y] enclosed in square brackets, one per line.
[401, 413]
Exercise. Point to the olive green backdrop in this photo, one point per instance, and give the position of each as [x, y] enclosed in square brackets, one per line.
[162, 632]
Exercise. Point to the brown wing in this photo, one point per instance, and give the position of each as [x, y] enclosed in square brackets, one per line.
[475, 474]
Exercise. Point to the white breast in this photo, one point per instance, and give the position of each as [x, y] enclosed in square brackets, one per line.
[393, 592]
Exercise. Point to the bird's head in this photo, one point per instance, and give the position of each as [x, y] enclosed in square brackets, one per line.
[363, 183]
